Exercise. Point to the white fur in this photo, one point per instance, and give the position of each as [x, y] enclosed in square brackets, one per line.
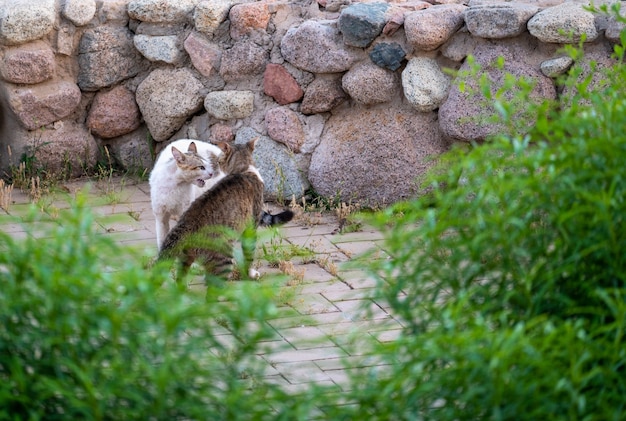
[170, 192]
[254, 170]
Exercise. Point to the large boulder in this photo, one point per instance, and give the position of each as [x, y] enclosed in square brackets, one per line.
[374, 155]
[467, 115]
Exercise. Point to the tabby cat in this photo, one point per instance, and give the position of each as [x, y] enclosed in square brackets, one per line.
[232, 205]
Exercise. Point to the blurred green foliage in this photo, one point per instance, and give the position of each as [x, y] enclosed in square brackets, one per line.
[509, 278]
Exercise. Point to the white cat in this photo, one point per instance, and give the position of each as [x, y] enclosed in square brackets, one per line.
[177, 178]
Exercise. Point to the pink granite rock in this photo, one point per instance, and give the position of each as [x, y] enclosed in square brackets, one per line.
[222, 133]
[322, 95]
[374, 155]
[113, 113]
[243, 60]
[369, 84]
[248, 17]
[280, 85]
[29, 64]
[38, 105]
[467, 115]
[430, 28]
[65, 149]
[284, 126]
[205, 56]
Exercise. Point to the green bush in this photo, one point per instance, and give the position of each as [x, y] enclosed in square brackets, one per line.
[87, 333]
[510, 276]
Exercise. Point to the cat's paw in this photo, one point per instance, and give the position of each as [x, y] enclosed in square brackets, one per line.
[254, 274]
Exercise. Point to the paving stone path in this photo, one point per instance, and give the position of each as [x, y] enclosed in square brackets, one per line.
[319, 326]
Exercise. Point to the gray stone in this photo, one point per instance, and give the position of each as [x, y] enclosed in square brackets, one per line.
[459, 46]
[158, 29]
[428, 29]
[361, 23]
[556, 66]
[209, 15]
[79, 12]
[229, 105]
[322, 95]
[388, 55]
[614, 27]
[38, 105]
[284, 126]
[467, 115]
[165, 49]
[499, 20]
[278, 167]
[132, 151]
[243, 60]
[166, 98]
[22, 21]
[425, 85]
[161, 11]
[28, 64]
[106, 56]
[370, 84]
[113, 11]
[317, 47]
[378, 163]
[563, 24]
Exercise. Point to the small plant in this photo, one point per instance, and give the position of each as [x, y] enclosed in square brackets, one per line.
[348, 221]
[278, 250]
[6, 191]
[281, 185]
[296, 276]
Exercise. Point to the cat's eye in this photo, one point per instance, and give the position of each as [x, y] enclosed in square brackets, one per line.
[201, 167]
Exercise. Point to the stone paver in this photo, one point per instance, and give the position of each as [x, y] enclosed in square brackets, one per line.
[329, 308]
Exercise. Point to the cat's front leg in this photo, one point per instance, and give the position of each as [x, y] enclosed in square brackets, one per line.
[162, 228]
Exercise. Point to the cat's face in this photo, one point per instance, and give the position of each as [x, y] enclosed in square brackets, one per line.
[236, 158]
[192, 166]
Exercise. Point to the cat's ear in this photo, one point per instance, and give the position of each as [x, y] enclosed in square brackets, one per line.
[178, 155]
[225, 147]
[192, 148]
[251, 143]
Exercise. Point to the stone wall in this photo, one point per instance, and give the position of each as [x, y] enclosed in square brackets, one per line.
[348, 98]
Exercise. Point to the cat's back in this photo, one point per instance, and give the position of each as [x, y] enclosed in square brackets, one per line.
[232, 201]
